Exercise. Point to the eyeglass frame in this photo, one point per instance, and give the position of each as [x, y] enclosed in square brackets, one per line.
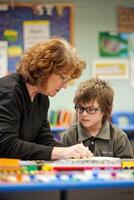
[64, 79]
[88, 110]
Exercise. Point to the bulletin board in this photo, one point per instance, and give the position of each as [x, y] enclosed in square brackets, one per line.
[61, 24]
[125, 19]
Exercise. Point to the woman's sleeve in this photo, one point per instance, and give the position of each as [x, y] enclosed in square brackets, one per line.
[10, 144]
[45, 135]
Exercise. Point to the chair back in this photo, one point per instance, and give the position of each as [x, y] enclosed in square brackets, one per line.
[123, 118]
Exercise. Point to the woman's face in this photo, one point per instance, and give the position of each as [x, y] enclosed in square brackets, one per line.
[54, 84]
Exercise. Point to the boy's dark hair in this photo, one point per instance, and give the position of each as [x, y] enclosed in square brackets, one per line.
[96, 89]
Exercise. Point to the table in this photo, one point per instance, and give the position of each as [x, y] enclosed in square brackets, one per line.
[13, 191]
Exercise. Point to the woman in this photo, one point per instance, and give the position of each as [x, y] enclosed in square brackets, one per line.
[42, 71]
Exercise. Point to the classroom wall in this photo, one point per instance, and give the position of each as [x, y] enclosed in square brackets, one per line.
[90, 17]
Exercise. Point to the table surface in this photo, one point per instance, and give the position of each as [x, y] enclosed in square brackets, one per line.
[66, 185]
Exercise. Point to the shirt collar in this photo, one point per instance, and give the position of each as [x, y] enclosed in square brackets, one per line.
[104, 133]
[82, 134]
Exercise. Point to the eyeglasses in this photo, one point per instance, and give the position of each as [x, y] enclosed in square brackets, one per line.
[89, 110]
[64, 79]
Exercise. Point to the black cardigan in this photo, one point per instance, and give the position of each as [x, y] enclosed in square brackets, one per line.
[24, 128]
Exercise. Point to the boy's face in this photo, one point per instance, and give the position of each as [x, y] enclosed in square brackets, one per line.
[92, 117]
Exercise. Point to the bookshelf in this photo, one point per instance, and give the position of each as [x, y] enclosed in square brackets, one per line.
[57, 132]
[60, 120]
[57, 129]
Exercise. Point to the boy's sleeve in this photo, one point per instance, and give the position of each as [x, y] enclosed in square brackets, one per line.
[123, 147]
[64, 139]
[69, 137]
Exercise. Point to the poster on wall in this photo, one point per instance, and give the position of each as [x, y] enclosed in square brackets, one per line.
[35, 31]
[113, 44]
[3, 58]
[125, 19]
[110, 68]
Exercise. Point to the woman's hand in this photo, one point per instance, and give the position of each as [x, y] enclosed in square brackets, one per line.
[78, 151]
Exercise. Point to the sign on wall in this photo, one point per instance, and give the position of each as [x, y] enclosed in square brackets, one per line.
[111, 68]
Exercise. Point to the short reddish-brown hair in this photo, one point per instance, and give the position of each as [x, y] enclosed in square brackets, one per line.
[53, 56]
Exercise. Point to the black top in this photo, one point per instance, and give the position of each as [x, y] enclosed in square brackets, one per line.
[24, 128]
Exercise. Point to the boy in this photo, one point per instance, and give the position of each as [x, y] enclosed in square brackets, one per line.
[93, 104]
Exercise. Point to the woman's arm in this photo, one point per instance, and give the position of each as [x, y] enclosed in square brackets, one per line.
[78, 151]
